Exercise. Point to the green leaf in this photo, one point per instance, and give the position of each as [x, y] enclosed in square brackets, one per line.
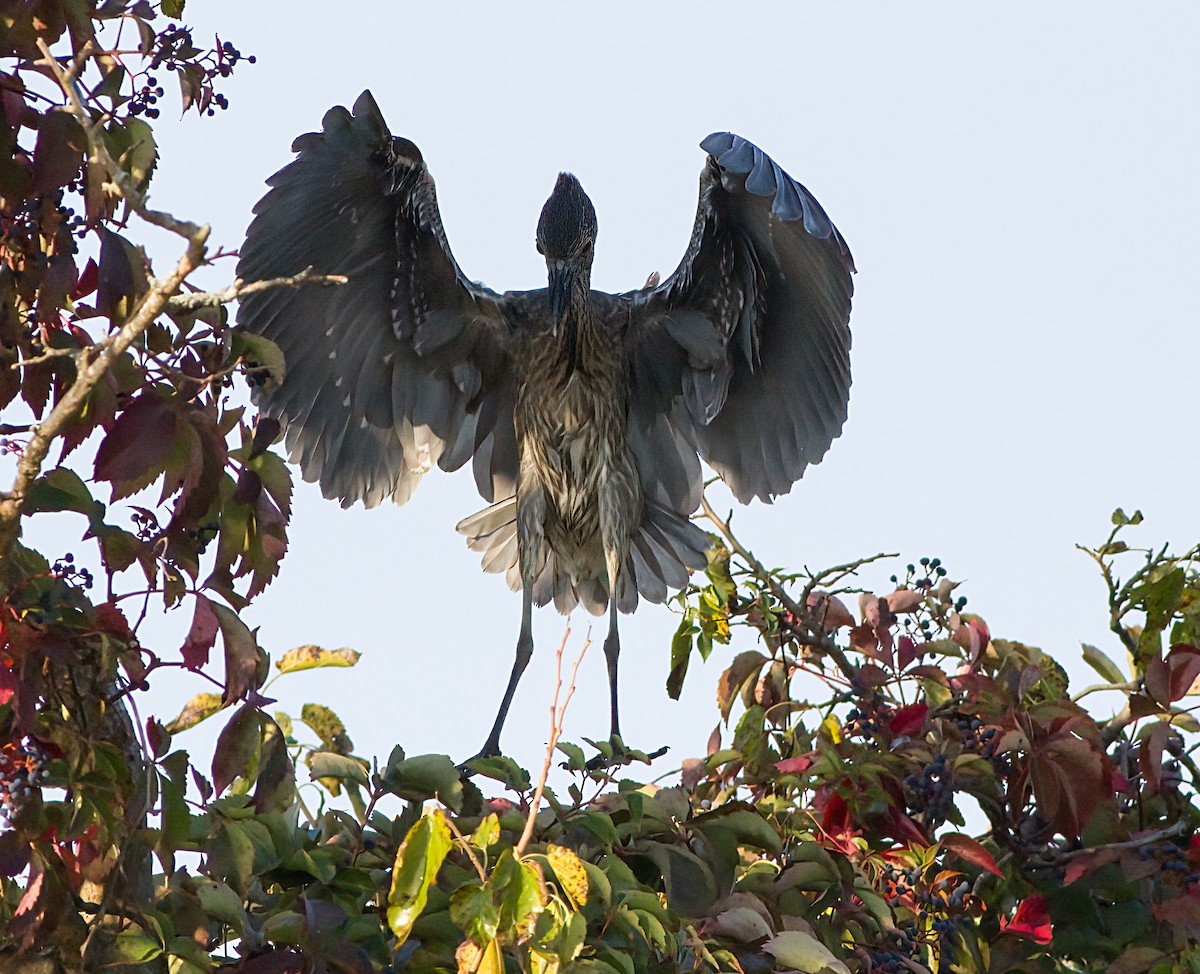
[222, 903]
[259, 353]
[575, 757]
[237, 747]
[327, 764]
[1102, 664]
[747, 823]
[519, 892]
[173, 8]
[803, 952]
[487, 833]
[134, 947]
[60, 490]
[475, 912]
[314, 657]
[426, 776]
[681, 651]
[504, 770]
[417, 862]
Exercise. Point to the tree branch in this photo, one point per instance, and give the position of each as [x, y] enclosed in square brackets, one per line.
[239, 289]
[797, 609]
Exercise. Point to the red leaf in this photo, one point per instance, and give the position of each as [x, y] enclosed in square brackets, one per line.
[88, 280]
[110, 619]
[9, 681]
[1183, 665]
[1182, 913]
[967, 848]
[909, 720]
[137, 448]
[1087, 862]
[796, 765]
[906, 651]
[1032, 921]
[201, 636]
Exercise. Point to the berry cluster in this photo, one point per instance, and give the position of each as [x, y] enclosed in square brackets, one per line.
[10, 446]
[175, 50]
[897, 955]
[22, 772]
[861, 722]
[1172, 858]
[978, 738]
[145, 98]
[931, 793]
[145, 524]
[65, 569]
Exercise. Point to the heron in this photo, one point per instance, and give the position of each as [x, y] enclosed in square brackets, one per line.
[584, 414]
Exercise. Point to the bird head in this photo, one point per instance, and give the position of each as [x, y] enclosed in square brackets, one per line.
[566, 237]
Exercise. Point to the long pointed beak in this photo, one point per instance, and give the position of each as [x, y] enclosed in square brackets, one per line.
[562, 276]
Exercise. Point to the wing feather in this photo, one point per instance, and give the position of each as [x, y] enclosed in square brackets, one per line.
[387, 374]
[750, 334]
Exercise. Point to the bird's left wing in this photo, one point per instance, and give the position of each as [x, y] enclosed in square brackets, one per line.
[743, 354]
[403, 366]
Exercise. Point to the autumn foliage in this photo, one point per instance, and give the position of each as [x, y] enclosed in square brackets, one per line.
[889, 785]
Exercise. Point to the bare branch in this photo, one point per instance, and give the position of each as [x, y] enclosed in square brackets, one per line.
[557, 714]
[47, 356]
[239, 289]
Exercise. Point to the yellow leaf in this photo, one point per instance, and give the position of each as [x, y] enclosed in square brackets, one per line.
[831, 726]
[572, 877]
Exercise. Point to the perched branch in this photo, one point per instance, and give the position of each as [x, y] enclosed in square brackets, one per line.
[797, 609]
[557, 714]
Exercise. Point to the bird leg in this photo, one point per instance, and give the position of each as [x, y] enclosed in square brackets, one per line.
[612, 642]
[491, 746]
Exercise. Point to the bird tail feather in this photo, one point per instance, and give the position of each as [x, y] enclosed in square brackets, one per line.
[665, 549]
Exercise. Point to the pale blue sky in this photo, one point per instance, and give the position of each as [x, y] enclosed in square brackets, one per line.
[1017, 183]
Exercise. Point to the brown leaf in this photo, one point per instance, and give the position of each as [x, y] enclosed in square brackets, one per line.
[742, 667]
[1135, 960]
[829, 611]
[904, 600]
[1150, 755]
[967, 848]
[242, 659]
[201, 636]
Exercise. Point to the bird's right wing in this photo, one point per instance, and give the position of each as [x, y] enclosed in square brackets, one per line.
[405, 365]
[742, 354]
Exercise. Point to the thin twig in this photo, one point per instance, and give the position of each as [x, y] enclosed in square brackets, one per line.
[47, 356]
[824, 643]
[466, 844]
[557, 714]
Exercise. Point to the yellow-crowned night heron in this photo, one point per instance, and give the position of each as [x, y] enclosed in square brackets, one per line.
[582, 412]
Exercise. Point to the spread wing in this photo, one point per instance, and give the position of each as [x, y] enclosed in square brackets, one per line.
[743, 354]
[405, 365]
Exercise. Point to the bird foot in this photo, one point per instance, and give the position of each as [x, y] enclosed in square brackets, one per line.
[615, 754]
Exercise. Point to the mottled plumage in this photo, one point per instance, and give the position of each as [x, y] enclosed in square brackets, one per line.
[584, 414]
